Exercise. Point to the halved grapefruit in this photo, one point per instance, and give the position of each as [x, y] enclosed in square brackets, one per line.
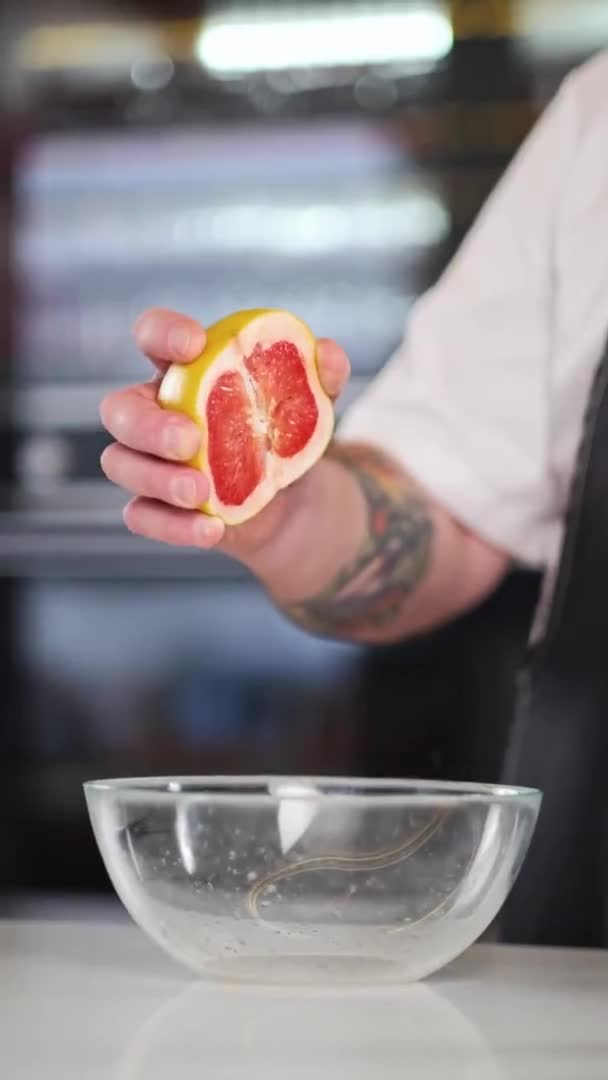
[256, 395]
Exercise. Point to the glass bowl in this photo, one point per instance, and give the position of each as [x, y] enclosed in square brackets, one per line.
[283, 880]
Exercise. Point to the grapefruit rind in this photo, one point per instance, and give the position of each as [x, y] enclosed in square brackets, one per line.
[185, 388]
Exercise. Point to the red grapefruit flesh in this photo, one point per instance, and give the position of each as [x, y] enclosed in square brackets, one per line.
[235, 452]
[285, 396]
[275, 414]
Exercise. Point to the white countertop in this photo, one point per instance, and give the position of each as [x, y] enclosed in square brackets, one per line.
[82, 1002]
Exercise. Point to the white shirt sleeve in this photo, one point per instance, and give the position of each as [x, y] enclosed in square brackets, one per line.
[464, 403]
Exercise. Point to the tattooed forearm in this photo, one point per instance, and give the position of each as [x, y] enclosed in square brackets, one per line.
[369, 593]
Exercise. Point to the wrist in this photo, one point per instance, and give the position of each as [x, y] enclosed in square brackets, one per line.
[323, 524]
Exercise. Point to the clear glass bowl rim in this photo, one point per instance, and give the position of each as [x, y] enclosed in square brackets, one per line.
[269, 790]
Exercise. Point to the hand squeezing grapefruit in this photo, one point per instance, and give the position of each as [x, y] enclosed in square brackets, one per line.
[256, 395]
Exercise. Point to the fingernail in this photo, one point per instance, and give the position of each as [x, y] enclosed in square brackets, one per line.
[185, 342]
[179, 340]
[184, 491]
[180, 441]
[208, 531]
[144, 331]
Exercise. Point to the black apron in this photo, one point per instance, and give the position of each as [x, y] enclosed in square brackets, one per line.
[560, 738]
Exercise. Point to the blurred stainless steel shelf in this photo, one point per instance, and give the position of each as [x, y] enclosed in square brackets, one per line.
[77, 531]
[63, 553]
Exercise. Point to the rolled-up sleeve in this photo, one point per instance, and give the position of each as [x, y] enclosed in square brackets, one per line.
[464, 402]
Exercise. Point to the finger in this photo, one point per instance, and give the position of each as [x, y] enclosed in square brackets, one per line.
[334, 366]
[166, 337]
[142, 475]
[181, 528]
[133, 417]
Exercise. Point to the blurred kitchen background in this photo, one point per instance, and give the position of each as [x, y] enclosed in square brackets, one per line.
[323, 157]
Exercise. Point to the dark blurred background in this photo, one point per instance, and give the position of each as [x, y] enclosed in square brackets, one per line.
[327, 158]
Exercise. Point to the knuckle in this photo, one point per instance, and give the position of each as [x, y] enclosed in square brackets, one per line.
[142, 324]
